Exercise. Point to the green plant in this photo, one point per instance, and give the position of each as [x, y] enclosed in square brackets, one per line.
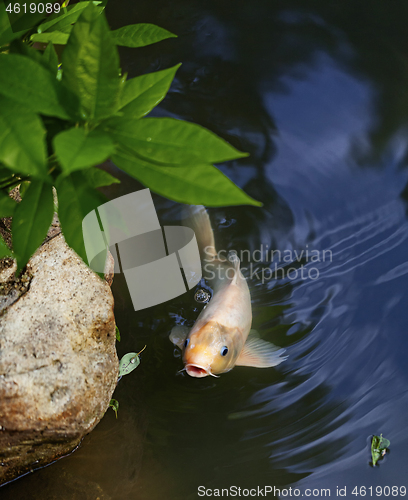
[379, 447]
[117, 333]
[114, 404]
[59, 121]
[129, 362]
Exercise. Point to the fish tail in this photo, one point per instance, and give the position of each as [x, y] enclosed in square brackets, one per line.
[199, 221]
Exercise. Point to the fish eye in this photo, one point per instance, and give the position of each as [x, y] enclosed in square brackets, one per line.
[186, 342]
[224, 351]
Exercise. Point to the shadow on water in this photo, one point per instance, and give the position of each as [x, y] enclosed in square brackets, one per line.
[314, 92]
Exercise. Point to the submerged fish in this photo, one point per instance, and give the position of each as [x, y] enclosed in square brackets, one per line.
[222, 338]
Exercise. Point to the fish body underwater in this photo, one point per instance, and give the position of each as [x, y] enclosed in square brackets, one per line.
[222, 338]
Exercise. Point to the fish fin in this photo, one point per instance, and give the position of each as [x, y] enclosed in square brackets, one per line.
[254, 333]
[199, 220]
[259, 353]
[178, 335]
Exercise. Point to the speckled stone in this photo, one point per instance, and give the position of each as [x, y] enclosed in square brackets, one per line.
[58, 362]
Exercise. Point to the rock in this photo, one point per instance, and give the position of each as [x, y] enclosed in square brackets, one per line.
[58, 362]
[109, 270]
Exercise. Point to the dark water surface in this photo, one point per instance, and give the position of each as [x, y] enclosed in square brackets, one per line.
[317, 92]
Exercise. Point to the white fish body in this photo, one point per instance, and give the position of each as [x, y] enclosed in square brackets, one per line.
[221, 338]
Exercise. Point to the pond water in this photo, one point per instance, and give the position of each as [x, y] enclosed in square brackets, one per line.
[317, 92]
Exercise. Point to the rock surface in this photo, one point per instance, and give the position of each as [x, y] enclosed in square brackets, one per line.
[58, 362]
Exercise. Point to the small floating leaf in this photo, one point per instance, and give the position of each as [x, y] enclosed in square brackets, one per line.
[117, 334]
[114, 404]
[379, 447]
[384, 443]
[129, 362]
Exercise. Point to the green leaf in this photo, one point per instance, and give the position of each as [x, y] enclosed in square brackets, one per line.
[57, 37]
[19, 47]
[114, 404]
[68, 16]
[128, 363]
[7, 177]
[140, 35]
[141, 94]
[4, 249]
[169, 141]
[23, 188]
[75, 200]
[117, 334]
[75, 149]
[22, 139]
[7, 206]
[6, 33]
[379, 447]
[99, 178]
[203, 184]
[5, 173]
[91, 66]
[31, 221]
[384, 443]
[50, 58]
[29, 83]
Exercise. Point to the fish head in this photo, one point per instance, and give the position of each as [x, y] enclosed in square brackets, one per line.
[211, 350]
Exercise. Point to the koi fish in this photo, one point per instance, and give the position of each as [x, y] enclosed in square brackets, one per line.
[222, 338]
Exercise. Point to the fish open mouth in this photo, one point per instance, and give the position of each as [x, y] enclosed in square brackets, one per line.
[197, 371]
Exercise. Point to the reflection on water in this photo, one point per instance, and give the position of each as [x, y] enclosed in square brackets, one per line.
[319, 96]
